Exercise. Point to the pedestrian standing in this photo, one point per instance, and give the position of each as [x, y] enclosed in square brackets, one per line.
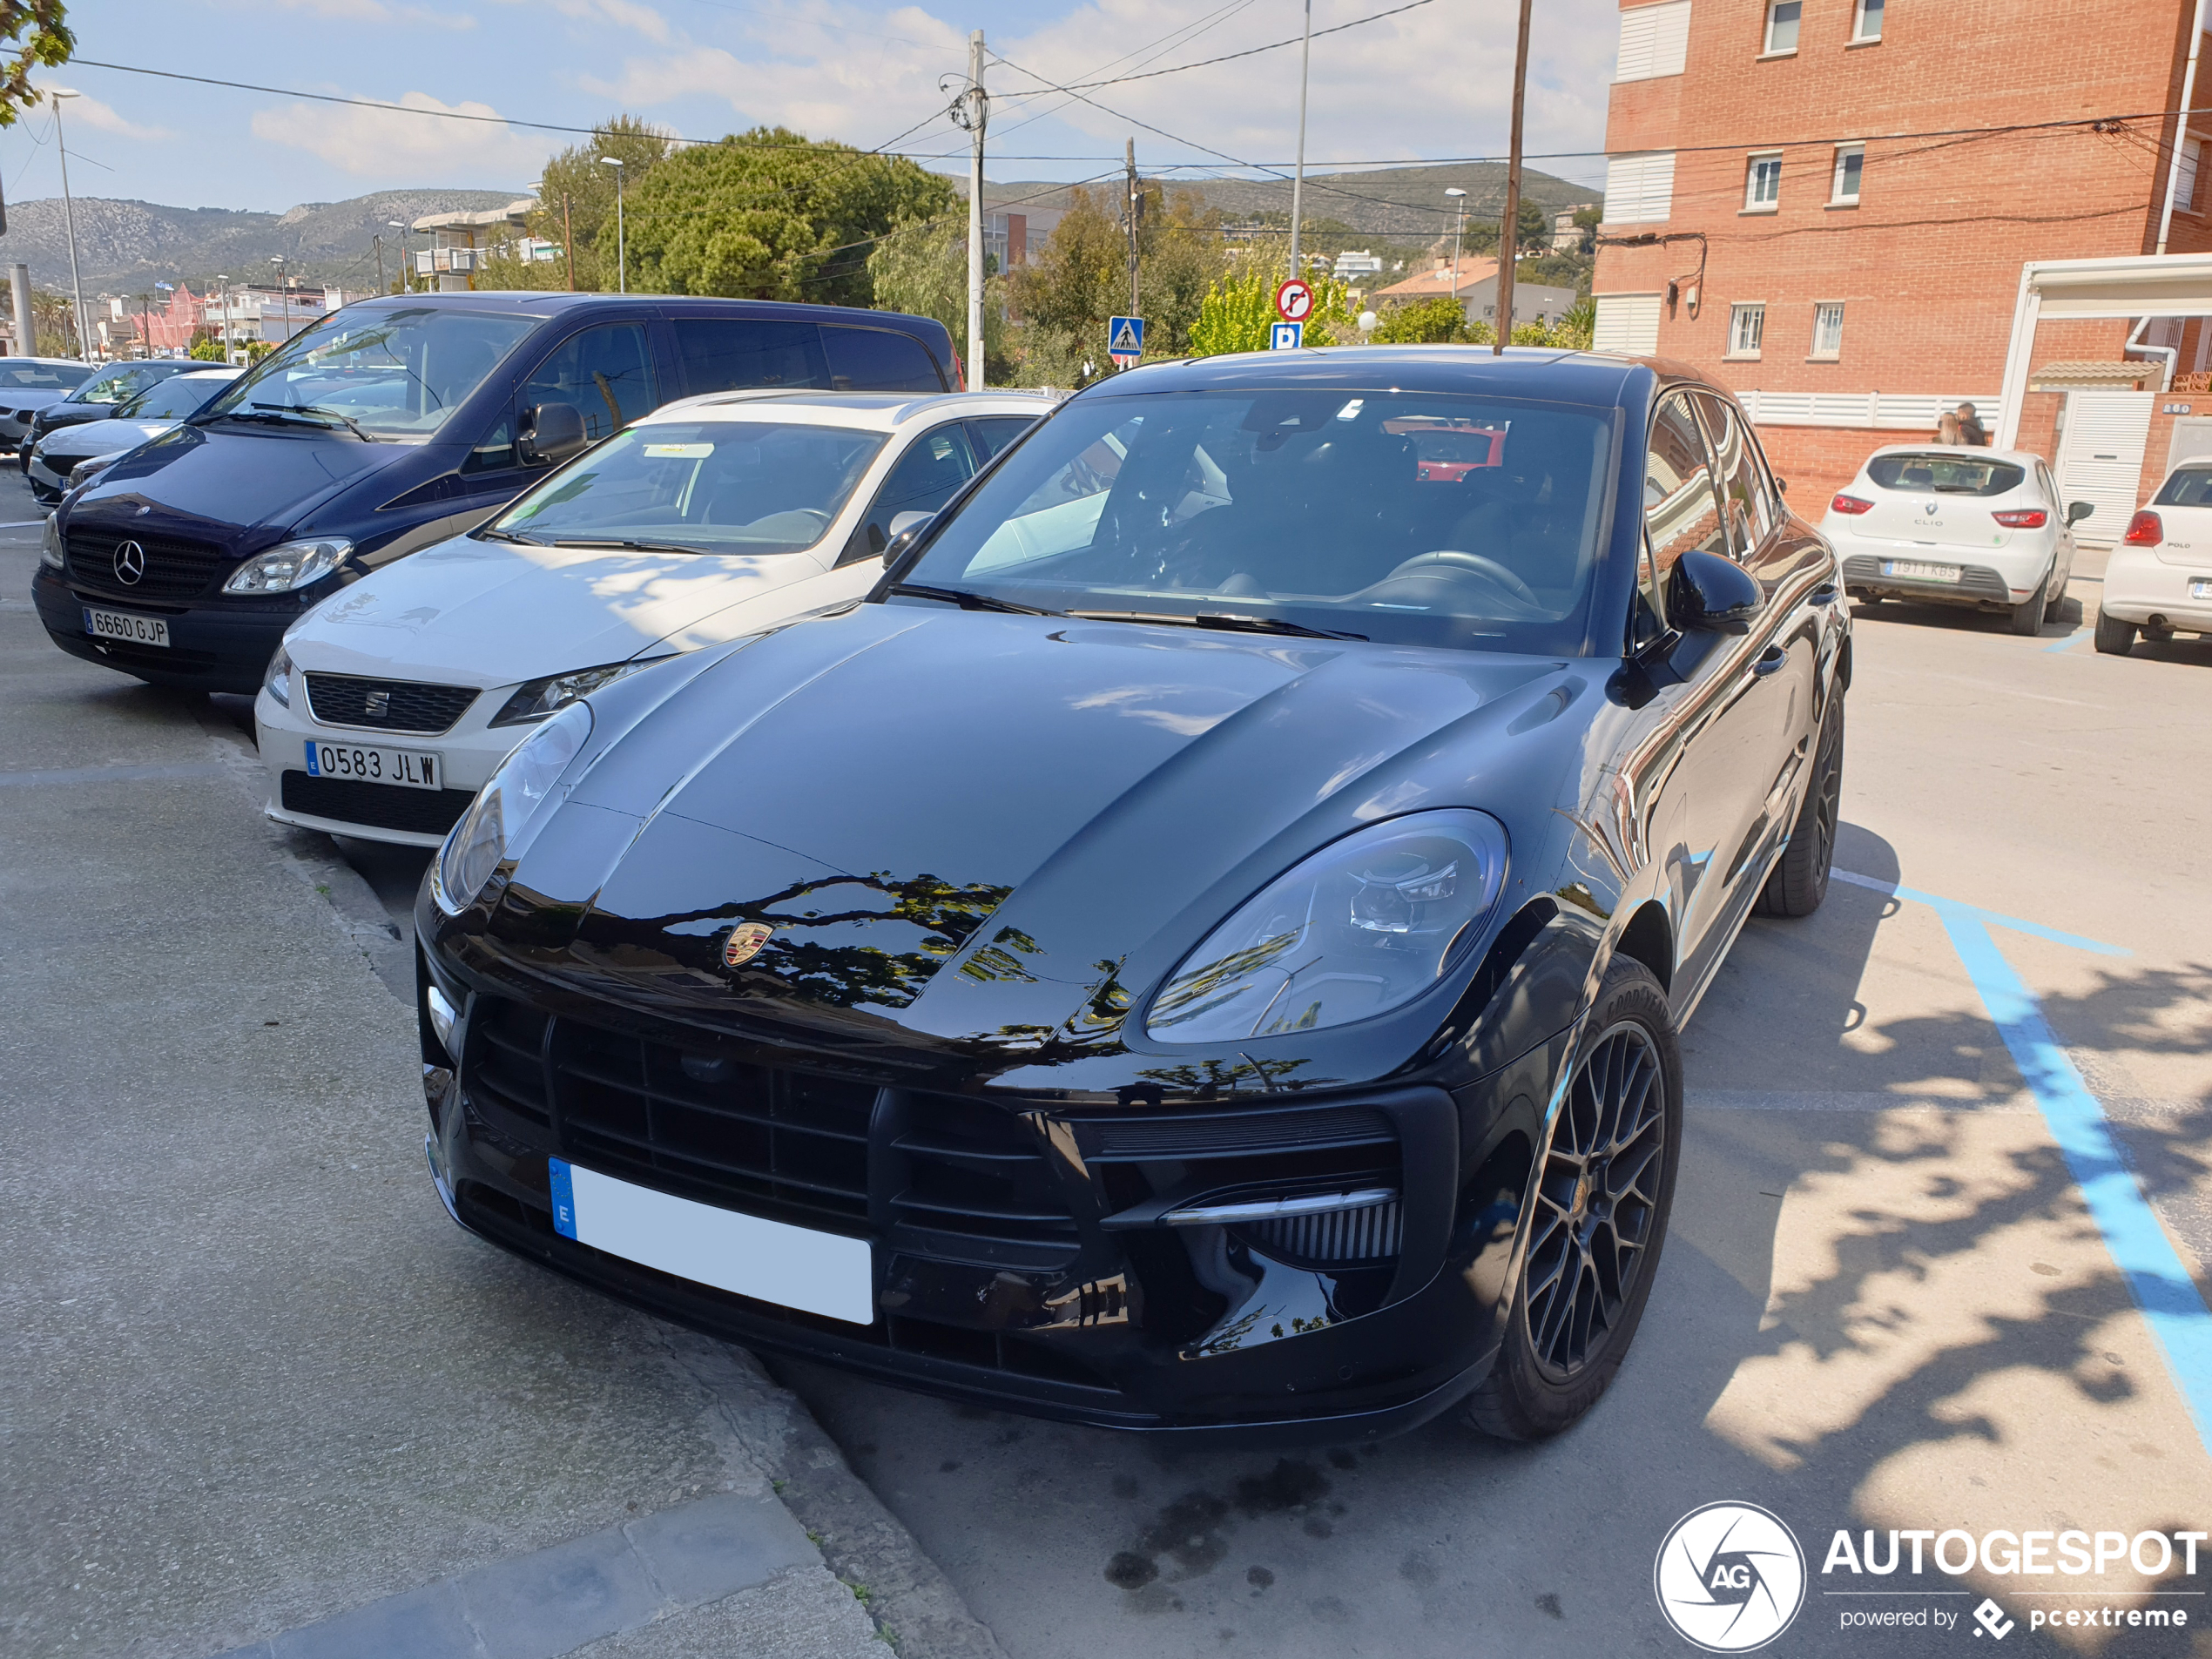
[1970, 429]
[1947, 429]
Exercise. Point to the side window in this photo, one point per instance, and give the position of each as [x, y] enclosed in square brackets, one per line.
[994, 432]
[495, 451]
[606, 372]
[1680, 511]
[878, 359]
[726, 355]
[1746, 504]
[921, 481]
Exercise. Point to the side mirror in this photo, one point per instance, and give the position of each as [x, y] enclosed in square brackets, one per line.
[1710, 594]
[551, 434]
[905, 527]
[1782, 486]
[2078, 511]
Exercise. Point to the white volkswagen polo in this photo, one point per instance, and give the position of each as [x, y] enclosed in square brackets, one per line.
[1959, 526]
[2159, 580]
[391, 703]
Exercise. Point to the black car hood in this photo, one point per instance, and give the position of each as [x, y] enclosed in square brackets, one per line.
[211, 484]
[1052, 810]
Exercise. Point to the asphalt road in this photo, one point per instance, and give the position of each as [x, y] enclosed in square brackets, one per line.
[1884, 1304]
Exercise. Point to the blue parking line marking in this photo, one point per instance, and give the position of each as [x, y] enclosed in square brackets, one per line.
[2133, 1234]
[2035, 928]
[2155, 1277]
[2069, 642]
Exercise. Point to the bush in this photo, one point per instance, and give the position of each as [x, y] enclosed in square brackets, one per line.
[1239, 309]
[1440, 320]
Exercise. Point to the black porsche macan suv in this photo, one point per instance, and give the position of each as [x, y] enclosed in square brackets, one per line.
[1201, 949]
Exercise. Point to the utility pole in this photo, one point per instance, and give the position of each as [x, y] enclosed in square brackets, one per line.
[1135, 205]
[622, 236]
[1297, 178]
[1506, 252]
[1458, 228]
[26, 323]
[568, 242]
[69, 219]
[379, 241]
[977, 102]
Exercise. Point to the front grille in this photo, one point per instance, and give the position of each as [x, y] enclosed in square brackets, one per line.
[978, 1175]
[386, 706]
[174, 569]
[426, 811]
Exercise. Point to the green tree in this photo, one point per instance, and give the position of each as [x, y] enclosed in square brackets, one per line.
[921, 268]
[1239, 310]
[40, 33]
[1438, 321]
[770, 215]
[576, 178]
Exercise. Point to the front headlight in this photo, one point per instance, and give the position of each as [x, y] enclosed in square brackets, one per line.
[50, 547]
[293, 565]
[540, 697]
[1360, 928]
[278, 681]
[507, 810]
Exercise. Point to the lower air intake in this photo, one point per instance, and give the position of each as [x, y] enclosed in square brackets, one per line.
[1371, 1234]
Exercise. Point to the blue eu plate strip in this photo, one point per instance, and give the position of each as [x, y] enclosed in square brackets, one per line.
[563, 1197]
[313, 770]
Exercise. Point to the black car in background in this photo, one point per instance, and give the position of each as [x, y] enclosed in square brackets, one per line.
[1201, 948]
[394, 423]
[98, 398]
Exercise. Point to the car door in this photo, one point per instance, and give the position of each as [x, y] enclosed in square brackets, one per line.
[726, 353]
[936, 463]
[992, 433]
[2062, 540]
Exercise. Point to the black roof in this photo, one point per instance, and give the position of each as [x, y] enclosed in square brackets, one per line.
[534, 302]
[1523, 371]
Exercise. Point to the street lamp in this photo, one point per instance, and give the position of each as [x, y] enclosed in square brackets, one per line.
[284, 290]
[622, 246]
[69, 217]
[223, 279]
[1460, 202]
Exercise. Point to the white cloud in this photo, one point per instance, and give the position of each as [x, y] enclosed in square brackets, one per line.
[388, 142]
[82, 112]
[375, 11]
[622, 14]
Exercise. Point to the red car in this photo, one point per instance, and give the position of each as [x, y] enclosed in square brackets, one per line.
[1449, 452]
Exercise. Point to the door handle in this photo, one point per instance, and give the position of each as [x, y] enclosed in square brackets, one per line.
[1770, 660]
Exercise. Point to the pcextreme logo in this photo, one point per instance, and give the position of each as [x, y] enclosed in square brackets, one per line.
[1730, 1577]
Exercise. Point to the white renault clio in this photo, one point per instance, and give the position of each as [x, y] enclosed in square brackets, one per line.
[2159, 580]
[1959, 526]
[390, 704]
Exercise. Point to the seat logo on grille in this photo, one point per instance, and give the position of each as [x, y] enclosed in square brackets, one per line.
[377, 705]
[130, 563]
[744, 942]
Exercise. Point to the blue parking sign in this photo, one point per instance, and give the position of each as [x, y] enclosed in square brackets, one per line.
[1286, 336]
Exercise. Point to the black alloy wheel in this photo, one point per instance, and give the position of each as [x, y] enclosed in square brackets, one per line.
[1596, 1216]
[1596, 1200]
[1799, 881]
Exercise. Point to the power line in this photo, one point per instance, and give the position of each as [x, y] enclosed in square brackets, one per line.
[1249, 51]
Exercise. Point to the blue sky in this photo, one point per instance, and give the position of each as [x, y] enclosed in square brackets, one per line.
[1431, 82]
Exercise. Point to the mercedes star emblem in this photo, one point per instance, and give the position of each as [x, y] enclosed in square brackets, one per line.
[130, 563]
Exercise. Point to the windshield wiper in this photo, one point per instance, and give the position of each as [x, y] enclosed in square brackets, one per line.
[629, 546]
[510, 536]
[289, 413]
[967, 600]
[1229, 622]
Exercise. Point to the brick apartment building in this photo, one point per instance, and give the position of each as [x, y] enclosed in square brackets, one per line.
[1846, 210]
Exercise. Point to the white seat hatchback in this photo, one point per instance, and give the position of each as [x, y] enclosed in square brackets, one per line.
[392, 702]
[1957, 525]
[2159, 580]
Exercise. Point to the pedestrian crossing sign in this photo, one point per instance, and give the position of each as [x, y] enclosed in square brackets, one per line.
[1125, 341]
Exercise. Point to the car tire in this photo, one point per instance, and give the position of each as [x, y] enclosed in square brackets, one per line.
[2115, 637]
[2027, 616]
[1607, 1174]
[1799, 880]
[2055, 596]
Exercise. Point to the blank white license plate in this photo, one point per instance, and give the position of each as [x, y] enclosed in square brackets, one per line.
[409, 768]
[2200, 590]
[770, 1261]
[1914, 571]
[131, 631]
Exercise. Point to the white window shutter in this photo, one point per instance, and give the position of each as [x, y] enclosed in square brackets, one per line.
[1626, 323]
[1640, 189]
[1655, 41]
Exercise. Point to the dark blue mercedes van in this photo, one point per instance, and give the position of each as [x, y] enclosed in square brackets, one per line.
[395, 423]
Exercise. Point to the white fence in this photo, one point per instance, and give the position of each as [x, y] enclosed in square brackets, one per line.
[1894, 411]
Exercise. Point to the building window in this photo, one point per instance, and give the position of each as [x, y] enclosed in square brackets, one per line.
[2185, 186]
[1639, 189]
[1828, 329]
[1782, 17]
[1655, 41]
[1763, 184]
[1746, 326]
[1851, 161]
[1866, 20]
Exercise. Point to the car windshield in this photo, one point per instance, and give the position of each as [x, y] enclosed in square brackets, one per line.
[1945, 474]
[700, 487]
[390, 372]
[2191, 487]
[23, 375]
[172, 399]
[1419, 518]
[120, 385]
